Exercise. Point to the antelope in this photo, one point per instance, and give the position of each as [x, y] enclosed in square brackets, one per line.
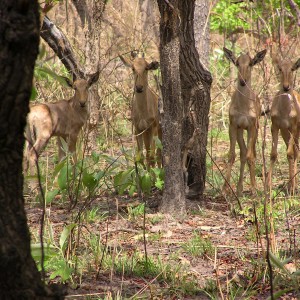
[63, 119]
[244, 113]
[145, 116]
[285, 116]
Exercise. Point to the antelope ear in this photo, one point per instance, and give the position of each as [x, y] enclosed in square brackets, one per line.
[127, 62]
[67, 81]
[93, 78]
[152, 66]
[296, 65]
[258, 57]
[229, 55]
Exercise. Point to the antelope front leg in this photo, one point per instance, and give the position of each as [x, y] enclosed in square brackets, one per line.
[139, 141]
[243, 159]
[149, 145]
[290, 136]
[231, 159]
[251, 155]
[273, 156]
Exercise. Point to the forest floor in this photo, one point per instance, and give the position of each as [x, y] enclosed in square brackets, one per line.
[231, 261]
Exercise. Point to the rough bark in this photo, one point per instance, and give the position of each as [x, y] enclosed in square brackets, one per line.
[195, 86]
[19, 38]
[186, 96]
[201, 30]
[174, 192]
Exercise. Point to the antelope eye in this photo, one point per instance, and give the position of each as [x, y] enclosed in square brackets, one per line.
[237, 64]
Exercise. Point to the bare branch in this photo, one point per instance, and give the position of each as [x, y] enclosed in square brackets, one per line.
[294, 7]
[59, 43]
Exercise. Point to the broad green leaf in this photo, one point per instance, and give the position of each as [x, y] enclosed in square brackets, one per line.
[146, 184]
[33, 93]
[49, 72]
[62, 178]
[64, 271]
[88, 180]
[65, 235]
[50, 195]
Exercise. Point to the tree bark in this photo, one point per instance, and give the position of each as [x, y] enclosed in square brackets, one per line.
[201, 30]
[195, 86]
[174, 192]
[19, 39]
[186, 97]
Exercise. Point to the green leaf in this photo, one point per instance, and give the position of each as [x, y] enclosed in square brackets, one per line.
[63, 270]
[62, 178]
[146, 183]
[159, 183]
[65, 235]
[50, 195]
[55, 76]
[33, 93]
[279, 294]
[36, 251]
[88, 180]
[278, 263]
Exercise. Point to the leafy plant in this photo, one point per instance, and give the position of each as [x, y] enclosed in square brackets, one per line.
[54, 259]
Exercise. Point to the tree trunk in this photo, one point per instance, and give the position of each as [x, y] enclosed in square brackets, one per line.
[195, 85]
[202, 37]
[93, 13]
[186, 97]
[19, 39]
[174, 193]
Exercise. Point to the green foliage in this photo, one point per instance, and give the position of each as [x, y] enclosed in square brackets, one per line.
[226, 17]
[137, 211]
[132, 178]
[54, 259]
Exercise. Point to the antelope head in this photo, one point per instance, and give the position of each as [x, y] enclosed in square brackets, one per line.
[81, 87]
[244, 64]
[140, 68]
[285, 68]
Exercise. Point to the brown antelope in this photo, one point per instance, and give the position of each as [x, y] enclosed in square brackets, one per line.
[144, 107]
[285, 116]
[63, 119]
[244, 113]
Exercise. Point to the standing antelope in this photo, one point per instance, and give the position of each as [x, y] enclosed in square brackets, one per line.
[244, 113]
[144, 107]
[64, 118]
[285, 116]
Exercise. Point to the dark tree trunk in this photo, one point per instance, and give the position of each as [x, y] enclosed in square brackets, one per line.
[174, 191]
[195, 85]
[19, 39]
[186, 94]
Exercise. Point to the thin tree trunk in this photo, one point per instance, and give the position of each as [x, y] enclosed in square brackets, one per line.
[19, 39]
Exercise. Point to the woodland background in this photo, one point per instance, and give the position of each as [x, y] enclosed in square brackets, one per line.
[103, 234]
